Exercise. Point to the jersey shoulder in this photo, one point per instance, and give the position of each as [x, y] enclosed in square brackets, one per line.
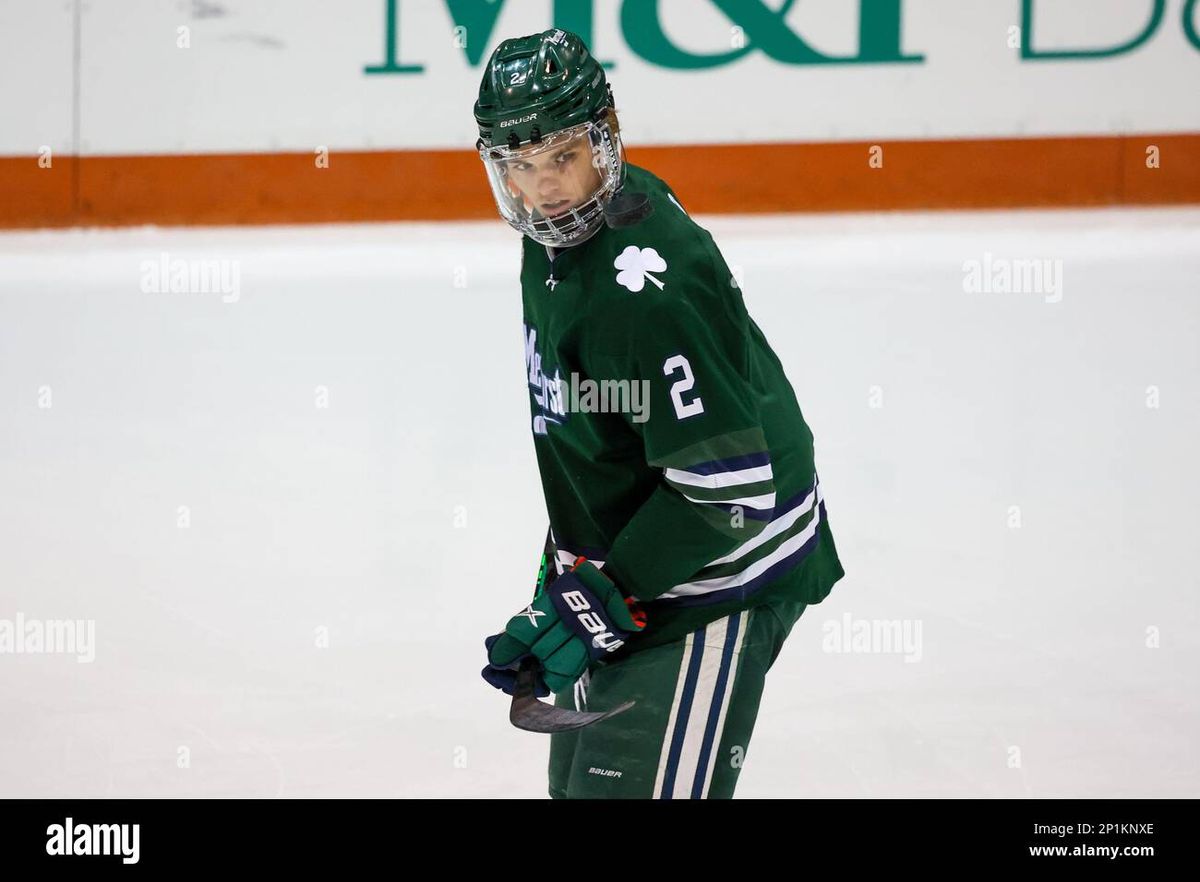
[664, 252]
[667, 222]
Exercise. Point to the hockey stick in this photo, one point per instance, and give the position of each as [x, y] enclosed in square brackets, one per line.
[527, 712]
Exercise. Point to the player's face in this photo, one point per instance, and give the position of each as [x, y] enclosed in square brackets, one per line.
[555, 181]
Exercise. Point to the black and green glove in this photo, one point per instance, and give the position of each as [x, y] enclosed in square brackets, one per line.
[574, 620]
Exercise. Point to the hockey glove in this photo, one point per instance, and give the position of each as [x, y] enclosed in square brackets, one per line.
[578, 618]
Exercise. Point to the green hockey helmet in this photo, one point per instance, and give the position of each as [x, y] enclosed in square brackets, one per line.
[548, 137]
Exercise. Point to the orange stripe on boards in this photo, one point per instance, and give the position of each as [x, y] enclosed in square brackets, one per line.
[33, 196]
[1027, 172]
[283, 188]
[451, 185]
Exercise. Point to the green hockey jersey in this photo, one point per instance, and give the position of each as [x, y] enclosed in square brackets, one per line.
[672, 451]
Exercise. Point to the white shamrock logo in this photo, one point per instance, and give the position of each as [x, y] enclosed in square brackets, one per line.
[636, 264]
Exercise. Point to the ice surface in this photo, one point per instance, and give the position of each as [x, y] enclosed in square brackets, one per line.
[1060, 657]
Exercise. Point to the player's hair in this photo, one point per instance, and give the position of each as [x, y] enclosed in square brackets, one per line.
[613, 121]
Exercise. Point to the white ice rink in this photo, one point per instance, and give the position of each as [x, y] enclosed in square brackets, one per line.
[343, 448]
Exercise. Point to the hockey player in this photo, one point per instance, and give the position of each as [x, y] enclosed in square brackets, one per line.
[689, 524]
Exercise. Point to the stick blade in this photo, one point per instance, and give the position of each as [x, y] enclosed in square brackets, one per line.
[537, 716]
[532, 715]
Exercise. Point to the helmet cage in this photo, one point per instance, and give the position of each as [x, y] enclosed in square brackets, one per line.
[577, 223]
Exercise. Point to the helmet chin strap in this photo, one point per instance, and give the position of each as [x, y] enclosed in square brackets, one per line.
[627, 208]
[583, 220]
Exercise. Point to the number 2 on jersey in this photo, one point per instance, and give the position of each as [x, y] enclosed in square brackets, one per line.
[679, 364]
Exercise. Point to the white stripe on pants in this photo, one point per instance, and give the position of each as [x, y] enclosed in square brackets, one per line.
[689, 740]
